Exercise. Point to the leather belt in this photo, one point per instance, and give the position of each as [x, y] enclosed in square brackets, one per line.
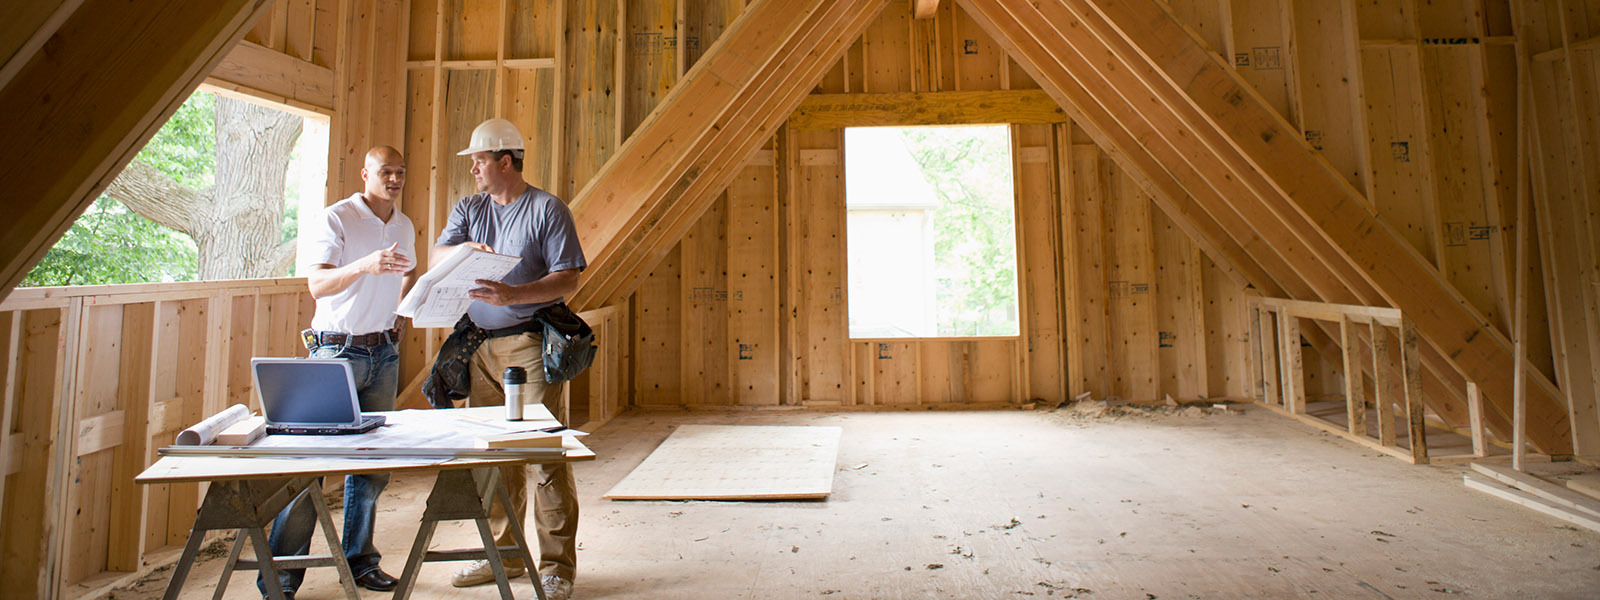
[376, 338]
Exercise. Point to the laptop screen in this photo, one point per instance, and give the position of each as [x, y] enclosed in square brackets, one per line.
[306, 391]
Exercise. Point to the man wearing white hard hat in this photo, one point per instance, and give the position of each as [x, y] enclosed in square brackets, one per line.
[509, 216]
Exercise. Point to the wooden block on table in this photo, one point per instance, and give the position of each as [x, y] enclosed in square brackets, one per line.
[243, 433]
[521, 439]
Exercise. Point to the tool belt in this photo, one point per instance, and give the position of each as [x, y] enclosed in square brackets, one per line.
[314, 338]
[569, 343]
[528, 326]
[568, 348]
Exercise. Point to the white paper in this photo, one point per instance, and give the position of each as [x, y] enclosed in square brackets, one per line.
[426, 428]
[206, 431]
[439, 297]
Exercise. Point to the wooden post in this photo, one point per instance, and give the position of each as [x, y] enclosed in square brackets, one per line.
[1294, 392]
[1269, 358]
[1383, 396]
[1411, 375]
[9, 390]
[1354, 405]
[1257, 370]
[1475, 412]
[1519, 322]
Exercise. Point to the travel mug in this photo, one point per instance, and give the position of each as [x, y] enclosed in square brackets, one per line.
[516, 383]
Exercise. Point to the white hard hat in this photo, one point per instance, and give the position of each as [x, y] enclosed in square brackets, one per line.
[494, 135]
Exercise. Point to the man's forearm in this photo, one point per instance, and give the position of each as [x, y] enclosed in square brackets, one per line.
[326, 280]
[555, 285]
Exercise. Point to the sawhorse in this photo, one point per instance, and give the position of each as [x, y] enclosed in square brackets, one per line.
[462, 494]
[249, 506]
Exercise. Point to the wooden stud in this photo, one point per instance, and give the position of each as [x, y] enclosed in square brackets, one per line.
[1411, 376]
[1270, 378]
[1480, 445]
[1294, 393]
[1355, 406]
[1383, 384]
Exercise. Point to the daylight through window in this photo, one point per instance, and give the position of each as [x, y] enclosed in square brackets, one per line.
[931, 232]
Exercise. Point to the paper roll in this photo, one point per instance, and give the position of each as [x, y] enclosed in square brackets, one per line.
[206, 431]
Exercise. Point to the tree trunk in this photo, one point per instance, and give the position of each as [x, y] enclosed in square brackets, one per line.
[237, 222]
[240, 237]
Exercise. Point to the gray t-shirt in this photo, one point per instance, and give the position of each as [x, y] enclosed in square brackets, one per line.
[537, 226]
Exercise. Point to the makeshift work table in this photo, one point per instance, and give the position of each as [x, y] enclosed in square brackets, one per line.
[252, 484]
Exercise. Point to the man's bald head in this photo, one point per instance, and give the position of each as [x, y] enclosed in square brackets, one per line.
[384, 155]
[384, 173]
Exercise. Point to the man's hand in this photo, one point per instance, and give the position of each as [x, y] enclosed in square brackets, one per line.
[387, 261]
[493, 292]
[478, 246]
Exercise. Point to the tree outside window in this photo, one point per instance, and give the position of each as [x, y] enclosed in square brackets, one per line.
[931, 232]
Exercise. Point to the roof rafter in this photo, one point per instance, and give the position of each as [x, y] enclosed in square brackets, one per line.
[132, 64]
[1261, 168]
[690, 147]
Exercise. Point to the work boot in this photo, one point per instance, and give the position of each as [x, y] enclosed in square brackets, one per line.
[556, 587]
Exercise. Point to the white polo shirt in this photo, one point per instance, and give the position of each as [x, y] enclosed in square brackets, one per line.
[347, 232]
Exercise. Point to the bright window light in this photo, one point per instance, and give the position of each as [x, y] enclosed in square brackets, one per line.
[931, 232]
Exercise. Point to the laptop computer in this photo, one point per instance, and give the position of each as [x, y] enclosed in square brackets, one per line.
[310, 396]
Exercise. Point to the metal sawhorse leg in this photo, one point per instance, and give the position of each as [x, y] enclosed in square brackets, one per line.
[249, 507]
[461, 494]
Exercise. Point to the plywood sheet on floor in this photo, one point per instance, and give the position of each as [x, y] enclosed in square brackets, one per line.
[736, 462]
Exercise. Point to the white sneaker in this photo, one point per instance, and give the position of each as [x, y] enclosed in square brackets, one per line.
[556, 588]
[479, 573]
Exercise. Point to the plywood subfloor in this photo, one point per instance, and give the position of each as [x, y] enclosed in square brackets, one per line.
[736, 462]
[1038, 505]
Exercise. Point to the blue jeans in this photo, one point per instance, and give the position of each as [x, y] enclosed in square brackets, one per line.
[377, 374]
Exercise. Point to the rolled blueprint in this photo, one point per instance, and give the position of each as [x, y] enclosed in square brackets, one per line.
[206, 431]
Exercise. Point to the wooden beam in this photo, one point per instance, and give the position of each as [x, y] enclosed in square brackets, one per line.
[1313, 201]
[835, 111]
[26, 28]
[76, 115]
[1117, 129]
[645, 197]
[924, 9]
[1307, 266]
[1355, 405]
[249, 67]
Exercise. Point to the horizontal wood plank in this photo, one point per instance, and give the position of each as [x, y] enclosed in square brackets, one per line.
[834, 111]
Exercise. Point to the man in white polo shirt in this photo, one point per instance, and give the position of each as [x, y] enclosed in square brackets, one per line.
[358, 262]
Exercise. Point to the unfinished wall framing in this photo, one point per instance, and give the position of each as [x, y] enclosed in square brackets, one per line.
[1147, 226]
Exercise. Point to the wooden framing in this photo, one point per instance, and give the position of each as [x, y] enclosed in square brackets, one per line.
[170, 46]
[96, 373]
[664, 176]
[1221, 121]
[1344, 152]
[1291, 376]
[833, 111]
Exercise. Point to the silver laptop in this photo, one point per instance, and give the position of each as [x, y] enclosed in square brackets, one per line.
[310, 396]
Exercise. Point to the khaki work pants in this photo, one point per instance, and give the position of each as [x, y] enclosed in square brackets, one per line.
[556, 498]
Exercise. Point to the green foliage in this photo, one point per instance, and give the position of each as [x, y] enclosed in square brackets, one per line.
[111, 244]
[975, 251]
[186, 147]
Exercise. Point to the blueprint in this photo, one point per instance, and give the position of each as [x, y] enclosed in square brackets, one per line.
[439, 297]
